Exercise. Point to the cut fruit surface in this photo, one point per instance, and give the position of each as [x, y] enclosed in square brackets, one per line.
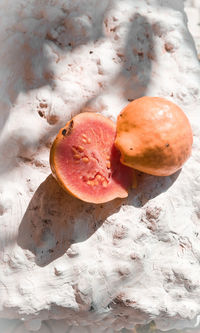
[85, 161]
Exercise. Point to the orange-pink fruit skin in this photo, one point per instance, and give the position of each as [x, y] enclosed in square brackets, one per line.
[154, 136]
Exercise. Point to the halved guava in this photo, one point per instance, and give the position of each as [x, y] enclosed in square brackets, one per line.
[85, 161]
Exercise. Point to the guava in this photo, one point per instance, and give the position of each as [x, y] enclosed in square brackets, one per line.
[85, 161]
[154, 136]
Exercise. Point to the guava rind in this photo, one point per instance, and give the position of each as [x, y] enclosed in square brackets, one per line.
[154, 136]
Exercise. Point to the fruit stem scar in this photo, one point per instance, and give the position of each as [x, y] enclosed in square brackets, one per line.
[67, 131]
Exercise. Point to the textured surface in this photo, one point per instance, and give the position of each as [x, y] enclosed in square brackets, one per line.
[192, 9]
[126, 262]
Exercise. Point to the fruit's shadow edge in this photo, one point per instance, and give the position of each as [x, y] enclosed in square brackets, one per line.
[54, 220]
[148, 187]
